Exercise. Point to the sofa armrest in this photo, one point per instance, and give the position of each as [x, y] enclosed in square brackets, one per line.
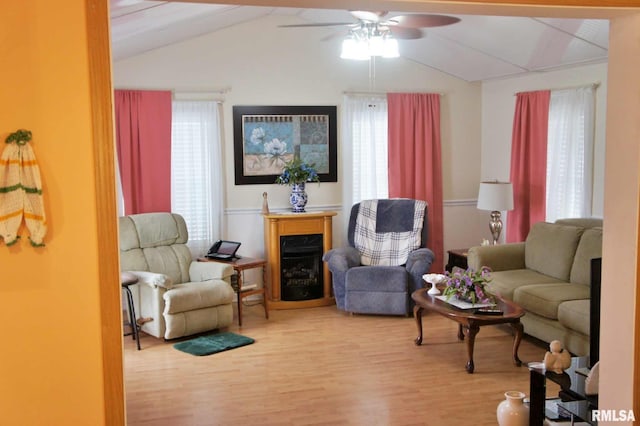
[204, 271]
[342, 258]
[153, 279]
[419, 261]
[500, 257]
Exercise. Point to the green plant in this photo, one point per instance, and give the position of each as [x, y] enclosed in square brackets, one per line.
[469, 285]
[297, 171]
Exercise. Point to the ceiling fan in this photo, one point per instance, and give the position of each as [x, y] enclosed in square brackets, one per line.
[405, 27]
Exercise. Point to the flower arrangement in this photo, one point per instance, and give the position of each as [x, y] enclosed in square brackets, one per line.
[469, 285]
[297, 171]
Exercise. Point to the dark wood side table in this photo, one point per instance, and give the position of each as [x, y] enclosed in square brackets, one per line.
[240, 265]
[457, 257]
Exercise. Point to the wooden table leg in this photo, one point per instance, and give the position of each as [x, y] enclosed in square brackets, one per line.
[417, 313]
[460, 332]
[517, 337]
[472, 330]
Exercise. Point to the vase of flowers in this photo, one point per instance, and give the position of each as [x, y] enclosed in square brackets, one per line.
[468, 286]
[296, 173]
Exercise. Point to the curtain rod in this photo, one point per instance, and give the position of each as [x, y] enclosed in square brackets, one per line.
[594, 85]
[198, 96]
[347, 92]
[221, 91]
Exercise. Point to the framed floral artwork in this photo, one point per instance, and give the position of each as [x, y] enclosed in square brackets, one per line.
[267, 137]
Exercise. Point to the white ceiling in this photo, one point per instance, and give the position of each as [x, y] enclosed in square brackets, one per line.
[477, 48]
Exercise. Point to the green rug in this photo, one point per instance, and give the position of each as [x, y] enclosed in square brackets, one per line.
[213, 343]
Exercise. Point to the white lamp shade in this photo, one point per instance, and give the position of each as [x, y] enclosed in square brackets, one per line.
[495, 196]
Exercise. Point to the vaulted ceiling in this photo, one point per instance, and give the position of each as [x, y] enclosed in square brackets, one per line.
[477, 48]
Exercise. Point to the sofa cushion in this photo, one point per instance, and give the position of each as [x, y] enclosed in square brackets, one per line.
[544, 299]
[575, 314]
[191, 296]
[583, 222]
[160, 229]
[590, 247]
[548, 330]
[133, 260]
[505, 282]
[387, 279]
[128, 236]
[550, 248]
[173, 260]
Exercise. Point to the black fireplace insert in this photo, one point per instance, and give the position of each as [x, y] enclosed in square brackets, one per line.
[301, 267]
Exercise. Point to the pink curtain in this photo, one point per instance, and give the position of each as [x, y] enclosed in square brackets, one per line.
[415, 165]
[143, 140]
[528, 163]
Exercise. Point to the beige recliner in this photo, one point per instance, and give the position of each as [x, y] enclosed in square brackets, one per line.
[180, 296]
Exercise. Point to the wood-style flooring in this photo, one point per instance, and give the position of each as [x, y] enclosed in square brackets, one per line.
[320, 366]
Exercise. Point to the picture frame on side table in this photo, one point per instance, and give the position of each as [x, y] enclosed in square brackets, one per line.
[266, 137]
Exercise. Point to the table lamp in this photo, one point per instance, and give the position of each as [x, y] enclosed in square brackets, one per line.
[495, 197]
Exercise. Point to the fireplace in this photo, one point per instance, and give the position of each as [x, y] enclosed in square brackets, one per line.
[301, 274]
[301, 287]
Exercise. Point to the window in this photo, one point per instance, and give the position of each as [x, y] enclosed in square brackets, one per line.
[196, 171]
[570, 153]
[366, 135]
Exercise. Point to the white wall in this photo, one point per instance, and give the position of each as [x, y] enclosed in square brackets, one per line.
[266, 65]
[498, 106]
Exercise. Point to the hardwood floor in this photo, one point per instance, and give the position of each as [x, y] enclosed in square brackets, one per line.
[320, 366]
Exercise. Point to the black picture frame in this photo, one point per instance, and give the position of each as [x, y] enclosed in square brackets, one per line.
[265, 137]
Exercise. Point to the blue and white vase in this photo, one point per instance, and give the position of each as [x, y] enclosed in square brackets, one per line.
[298, 197]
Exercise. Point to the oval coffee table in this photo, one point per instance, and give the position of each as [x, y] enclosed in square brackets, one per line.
[469, 322]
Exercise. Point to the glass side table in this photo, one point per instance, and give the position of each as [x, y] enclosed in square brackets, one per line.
[578, 411]
[575, 404]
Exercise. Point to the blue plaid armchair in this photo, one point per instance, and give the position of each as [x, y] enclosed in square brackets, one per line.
[386, 257]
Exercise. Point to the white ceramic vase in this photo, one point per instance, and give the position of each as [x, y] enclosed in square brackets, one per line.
[512, 411]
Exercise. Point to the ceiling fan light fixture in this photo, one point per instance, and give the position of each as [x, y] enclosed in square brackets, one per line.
[376, 45]
[354, 49]
[390, 48]
[367, 42]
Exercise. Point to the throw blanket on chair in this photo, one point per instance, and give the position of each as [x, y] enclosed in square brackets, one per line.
[387, 231]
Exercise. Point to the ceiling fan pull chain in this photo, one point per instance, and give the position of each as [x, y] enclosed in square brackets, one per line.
[372, 73]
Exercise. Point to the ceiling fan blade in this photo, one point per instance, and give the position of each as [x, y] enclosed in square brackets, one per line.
[368, 16]
[319, 24]
[406, 33]
[423, 21]
[337, 34]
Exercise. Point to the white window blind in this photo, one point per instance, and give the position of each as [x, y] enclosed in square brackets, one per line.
[196, 171]
[570, 153]
[366, 136]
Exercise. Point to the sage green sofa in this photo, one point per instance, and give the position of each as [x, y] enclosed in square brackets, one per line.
[548, 275]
